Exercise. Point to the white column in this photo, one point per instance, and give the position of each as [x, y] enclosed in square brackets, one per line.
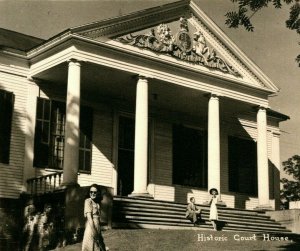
[213, 143]
[262, 159]
[32, 94]
[71, 149]
[276, 167]
[141, 138]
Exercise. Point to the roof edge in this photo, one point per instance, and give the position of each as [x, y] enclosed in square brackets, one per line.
[277, 115]
[233, 47]
[132, 15]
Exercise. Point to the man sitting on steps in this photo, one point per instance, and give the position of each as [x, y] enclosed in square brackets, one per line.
[192, 212]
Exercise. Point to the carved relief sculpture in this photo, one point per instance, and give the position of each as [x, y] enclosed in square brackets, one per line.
[181, 46]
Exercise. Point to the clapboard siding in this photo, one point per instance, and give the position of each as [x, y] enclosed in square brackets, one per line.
[182, 195]
[240, 201]
[224, 184]
[11, 175]
[102, 167]
[163, 153]
[165, 190]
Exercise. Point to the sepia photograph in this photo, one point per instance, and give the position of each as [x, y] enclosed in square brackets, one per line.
[142, 125]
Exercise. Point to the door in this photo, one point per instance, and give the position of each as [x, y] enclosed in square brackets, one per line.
[125, 155]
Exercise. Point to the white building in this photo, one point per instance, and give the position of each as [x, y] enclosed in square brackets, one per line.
[158, 103]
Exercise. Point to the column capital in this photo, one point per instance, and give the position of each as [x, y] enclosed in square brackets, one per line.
[33, 80]
[212, 95]
[261, 108]
[74, 62]
[141, 77]
[30, 78]
[276, 133]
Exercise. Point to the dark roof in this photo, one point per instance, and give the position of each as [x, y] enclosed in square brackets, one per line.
[278, 115]
[18, 41]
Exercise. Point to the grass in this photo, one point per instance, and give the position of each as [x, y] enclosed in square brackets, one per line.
[181, 240]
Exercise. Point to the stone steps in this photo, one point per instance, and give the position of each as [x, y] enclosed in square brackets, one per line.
[148, 213]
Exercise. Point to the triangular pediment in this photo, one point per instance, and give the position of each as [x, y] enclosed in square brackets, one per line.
[180, 32]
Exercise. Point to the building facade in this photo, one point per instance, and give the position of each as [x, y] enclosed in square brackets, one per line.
[159, 103]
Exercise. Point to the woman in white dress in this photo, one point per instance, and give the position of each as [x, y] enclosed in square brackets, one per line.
[213, 214]
[92, 238]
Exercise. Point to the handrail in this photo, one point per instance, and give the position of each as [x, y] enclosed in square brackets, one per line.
[45, 183]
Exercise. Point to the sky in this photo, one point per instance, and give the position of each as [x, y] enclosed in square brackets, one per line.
[271, 46]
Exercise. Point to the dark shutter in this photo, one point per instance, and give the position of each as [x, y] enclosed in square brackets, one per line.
[242, 165]
[189, 157]
[6, 111]
[85, 143]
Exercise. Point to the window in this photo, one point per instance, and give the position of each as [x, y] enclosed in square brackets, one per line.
[242, 160]
[85, 144]
[50, 135]
[6, 111]
[189, 157]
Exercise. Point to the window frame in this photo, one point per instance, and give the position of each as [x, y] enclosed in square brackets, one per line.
[50, 144]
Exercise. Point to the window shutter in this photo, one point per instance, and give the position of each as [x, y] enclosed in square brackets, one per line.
[6, 112]
[85, 143]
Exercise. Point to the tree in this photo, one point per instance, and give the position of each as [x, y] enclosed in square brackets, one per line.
[291, 188]
[248, 8]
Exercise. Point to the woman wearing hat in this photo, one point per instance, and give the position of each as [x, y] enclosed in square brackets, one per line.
[213, 214]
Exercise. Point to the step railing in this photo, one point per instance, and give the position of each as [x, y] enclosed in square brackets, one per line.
[45, 183]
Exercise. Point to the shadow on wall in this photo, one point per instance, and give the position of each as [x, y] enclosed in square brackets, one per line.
[240, 168]
[274, 184]
[11, 175]
[11, 209]
[67, 214]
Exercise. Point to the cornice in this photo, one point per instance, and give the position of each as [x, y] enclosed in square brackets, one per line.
[127, 63]
[135, 19]
[49, 43]
[165, 60]
[141, 19]
[232, 47]
[133, 24]
[238, 63]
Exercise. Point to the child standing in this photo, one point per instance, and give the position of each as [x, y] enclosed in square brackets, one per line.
[213, 214]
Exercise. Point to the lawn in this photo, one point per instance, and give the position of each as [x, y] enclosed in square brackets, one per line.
[190, 240]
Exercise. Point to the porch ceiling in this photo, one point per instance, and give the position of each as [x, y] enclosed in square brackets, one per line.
[103, 84]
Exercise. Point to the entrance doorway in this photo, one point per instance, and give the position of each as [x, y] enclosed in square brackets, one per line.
[125, 155]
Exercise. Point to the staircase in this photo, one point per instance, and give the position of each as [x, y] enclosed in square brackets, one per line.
[147, 213]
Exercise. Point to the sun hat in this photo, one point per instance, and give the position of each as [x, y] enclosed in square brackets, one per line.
[213, 189]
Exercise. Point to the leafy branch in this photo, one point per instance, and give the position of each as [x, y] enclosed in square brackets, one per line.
[291, 188]
[248, 8]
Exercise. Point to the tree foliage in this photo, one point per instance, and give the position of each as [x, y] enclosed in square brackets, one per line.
[291, 188]
[248, 8]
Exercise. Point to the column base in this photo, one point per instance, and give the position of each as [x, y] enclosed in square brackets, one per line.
[145, 195]
[264, 208]
[69, 185]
